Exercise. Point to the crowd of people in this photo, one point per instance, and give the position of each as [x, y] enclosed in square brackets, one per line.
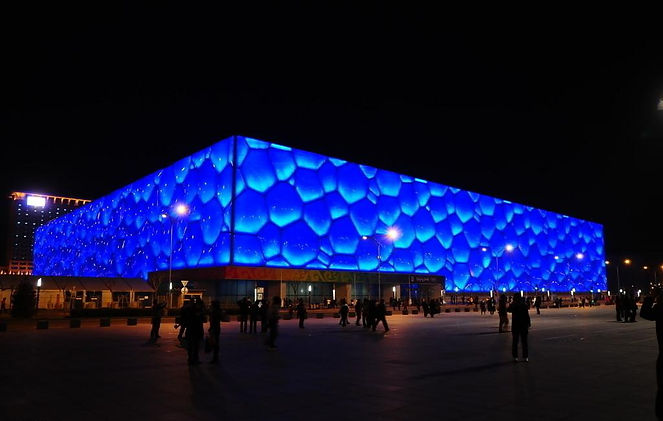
[369, 313]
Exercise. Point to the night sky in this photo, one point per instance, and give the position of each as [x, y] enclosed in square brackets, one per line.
[557, 112]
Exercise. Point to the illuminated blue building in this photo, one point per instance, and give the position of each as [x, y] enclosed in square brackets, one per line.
[258, 204]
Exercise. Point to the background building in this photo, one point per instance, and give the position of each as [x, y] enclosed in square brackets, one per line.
[29, 211]
[220, 217]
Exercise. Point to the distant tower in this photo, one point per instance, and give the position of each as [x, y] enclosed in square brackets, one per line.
[28, 212]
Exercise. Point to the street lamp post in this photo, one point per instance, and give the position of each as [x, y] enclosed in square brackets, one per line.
[309, 296]
[392, 234]
[181, 210]
[38, 290]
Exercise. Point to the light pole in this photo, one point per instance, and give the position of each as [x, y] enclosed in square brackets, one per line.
[38, 290]
[392, 234]
[627, 262]
[309, 296]
[181, 210]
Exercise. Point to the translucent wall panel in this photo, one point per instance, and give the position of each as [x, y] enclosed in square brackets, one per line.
[304, 210]
[128, 233]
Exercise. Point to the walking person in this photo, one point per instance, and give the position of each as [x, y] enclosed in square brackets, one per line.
[652, 309]
[193, 321]
[380, 316]
[344, 310]
[301, 313]
[179, 324]
[424, 304]
[619, 307]
[520, 324]
[215, 330]
[365, 314]
[537, 304]
[157, 312]
[264, 322]
[244, 306]
[358, 308]
[501, 311]
[254, 313]
[273, 321]
[482, 306]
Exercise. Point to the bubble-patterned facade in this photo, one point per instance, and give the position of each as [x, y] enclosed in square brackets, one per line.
[256, 203]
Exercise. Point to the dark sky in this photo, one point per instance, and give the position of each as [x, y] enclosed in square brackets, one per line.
[555, 109]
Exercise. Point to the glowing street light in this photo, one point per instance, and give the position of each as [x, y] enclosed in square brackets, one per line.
[181, 210]
[38, 290]
[508, 248]
[310, 288]
[392, 234]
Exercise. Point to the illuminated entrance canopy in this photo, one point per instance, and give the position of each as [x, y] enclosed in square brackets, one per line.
[255, 203]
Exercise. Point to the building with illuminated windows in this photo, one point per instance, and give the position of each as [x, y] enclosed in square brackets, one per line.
[29, 211]
[245, 217]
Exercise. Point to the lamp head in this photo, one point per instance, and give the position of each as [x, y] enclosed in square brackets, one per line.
[181, 209]
[393, 233]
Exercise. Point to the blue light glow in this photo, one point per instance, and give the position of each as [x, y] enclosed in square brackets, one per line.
[303, 210]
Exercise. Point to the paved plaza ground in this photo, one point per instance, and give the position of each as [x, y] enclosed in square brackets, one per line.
[583, 365]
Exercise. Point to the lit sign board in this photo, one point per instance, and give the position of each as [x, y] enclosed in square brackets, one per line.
[36, 201]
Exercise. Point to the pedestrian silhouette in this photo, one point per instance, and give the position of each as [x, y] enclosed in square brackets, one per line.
[520, 324]
[273, 321]
[380, 316]
[157, 312]
[254, 314]
[652, 309]
[193, 320]
[358, 308]
[501, 311]
[215, 329]
[301, 313]
[344, 313]
[244, 306]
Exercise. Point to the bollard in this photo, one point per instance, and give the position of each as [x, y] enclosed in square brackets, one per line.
[104, 322]
[417, 311]
[75, 323]
[389, 313]
[42, 324]
[132, 321]
[457, 310]
[405, 312]
[319, 315]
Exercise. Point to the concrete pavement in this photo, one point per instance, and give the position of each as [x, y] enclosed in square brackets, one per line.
[454, 367]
